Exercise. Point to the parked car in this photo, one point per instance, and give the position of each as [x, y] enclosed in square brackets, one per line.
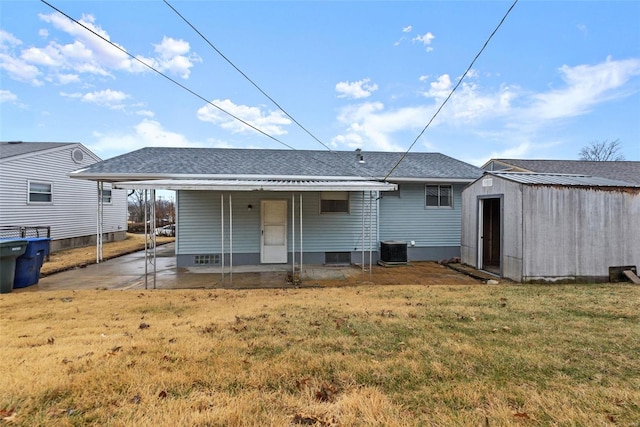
[167, 230]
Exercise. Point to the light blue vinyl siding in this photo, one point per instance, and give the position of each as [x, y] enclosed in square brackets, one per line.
[406, 218]
[199, 222]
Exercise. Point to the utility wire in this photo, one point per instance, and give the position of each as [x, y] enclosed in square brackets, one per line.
[167, 77]
[452, 90]
[245, 76]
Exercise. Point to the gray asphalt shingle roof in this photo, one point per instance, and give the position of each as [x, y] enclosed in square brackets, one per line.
[160, 162]
[12, 149]
[619, 170]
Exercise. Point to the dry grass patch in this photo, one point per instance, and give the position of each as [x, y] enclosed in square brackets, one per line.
[70, 258]
[370, 355]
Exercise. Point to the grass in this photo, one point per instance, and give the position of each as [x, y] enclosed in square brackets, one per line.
[369, 355]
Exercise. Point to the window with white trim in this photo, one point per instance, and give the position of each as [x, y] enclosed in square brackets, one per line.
[439, 196]
[40, 192]
[106, 196]
[334, 202]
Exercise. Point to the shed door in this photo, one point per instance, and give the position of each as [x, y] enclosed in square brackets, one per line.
[491, 235]
[273, 240]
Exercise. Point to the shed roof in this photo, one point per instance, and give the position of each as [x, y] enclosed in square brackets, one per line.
[618, 170]
[568, 180]
[222, 163]
[18, 148]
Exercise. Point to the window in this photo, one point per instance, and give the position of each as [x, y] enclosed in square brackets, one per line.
[40, 192]
[439, 196]
[334, 202]
[106, 196]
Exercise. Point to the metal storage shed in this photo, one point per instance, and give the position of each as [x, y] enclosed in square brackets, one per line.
[532, 227]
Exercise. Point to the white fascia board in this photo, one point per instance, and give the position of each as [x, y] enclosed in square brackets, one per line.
[82, 174]
[257, 185]
[427, 180]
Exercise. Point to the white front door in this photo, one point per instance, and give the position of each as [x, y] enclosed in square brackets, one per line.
[273, 239]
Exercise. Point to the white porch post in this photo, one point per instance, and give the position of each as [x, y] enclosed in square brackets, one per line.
[99, 222]
[362, 257]
[293, 237]
[370, 234]
[222, 235]
[300, 234]
[230, 241]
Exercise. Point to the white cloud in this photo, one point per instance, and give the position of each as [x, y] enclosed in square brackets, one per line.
[506, 115]
[426, 40]
[356, 90]
[147, 133]
[146, 113]
[68, 78]
[7, 96]
[8, 40]
[87, 54]
[270, 122]
[585, 87]
[112, 99]
[20, 70]
[368, 125]
[407, 29]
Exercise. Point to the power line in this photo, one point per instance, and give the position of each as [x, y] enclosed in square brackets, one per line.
[244, 75]
[452, 90]
[167, 77]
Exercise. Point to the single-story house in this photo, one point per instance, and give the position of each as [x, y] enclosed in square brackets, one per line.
[532, 227]
[259, 206]
[628, 171]
[39, 199]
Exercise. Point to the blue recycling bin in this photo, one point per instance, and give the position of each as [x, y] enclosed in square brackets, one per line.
[28, 264]
[10, 250]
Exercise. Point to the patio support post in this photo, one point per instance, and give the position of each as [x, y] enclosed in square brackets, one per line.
[149, 235]
[362, 257]
[146, 231]
[230, 241]
[293, 237]
[370, 233]
[99, 222]
[301, 234]
[222, 235]
[153, 234]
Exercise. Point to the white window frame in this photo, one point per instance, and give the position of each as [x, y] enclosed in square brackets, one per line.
[30, 192]
[440, 188]
[336, 196]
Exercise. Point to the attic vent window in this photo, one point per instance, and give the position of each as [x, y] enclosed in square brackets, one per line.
[77, 155]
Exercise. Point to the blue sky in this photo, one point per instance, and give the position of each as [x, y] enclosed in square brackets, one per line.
[555, 77]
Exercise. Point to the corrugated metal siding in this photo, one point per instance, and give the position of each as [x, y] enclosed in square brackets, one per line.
[73, 212]
[406, 218]
[579, 232]
[511, 222]
[199, 223]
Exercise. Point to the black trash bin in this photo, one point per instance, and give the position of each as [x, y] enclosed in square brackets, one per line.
[28, 264]
[10, 250]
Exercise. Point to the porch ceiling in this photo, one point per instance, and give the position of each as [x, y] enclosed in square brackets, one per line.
[256, 185]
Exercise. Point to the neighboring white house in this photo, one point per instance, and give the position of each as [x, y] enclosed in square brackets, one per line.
[37, 194]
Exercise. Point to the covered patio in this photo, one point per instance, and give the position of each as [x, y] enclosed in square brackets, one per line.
[295, 270]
